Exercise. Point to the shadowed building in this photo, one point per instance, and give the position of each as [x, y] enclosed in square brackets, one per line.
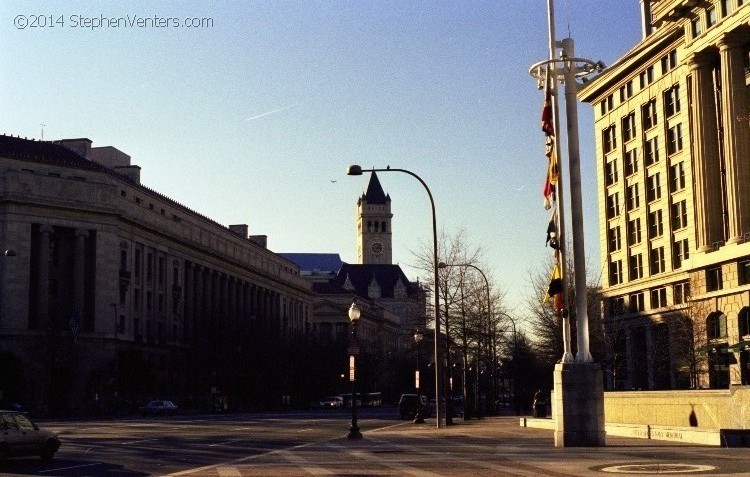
[116, 292]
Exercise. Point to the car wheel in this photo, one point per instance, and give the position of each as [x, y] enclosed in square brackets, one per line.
[48, 452]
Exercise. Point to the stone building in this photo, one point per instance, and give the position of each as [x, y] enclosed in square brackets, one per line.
[111, 292]
[673, 168]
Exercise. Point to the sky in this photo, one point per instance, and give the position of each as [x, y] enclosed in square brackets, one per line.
[254, 117]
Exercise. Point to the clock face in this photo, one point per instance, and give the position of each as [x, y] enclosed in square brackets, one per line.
[376, 247]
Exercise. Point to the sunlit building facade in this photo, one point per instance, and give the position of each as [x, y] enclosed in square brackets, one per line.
[673, 171]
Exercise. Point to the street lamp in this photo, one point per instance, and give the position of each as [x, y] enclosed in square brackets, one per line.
[489, 303]
[355, 170]
[354, 314]
[418, 418]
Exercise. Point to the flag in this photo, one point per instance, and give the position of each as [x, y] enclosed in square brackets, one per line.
[75, 325]
[547, 125]
[552, 231]
[555, 284]
[552, 168]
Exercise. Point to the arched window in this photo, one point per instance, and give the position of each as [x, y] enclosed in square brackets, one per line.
[716, 326]
[743, 321]
[383, 226]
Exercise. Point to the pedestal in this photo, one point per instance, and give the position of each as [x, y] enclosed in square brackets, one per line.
[579, 405]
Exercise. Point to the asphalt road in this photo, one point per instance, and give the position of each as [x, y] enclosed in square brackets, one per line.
[314, 443]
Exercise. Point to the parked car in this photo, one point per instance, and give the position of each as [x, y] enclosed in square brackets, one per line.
[332, 402]
[158, 407]
[20, 437]
[407, 406]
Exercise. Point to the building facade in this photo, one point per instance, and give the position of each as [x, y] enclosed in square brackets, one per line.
[673, 170]
[111, 292]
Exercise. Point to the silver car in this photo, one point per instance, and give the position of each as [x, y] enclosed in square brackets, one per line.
[20, 437]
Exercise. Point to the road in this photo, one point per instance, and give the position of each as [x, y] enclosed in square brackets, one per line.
[314, 443]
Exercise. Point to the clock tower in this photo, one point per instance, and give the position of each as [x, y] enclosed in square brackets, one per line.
[374, 244]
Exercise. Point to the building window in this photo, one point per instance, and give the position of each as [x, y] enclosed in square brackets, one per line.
[654, 187]
[636, 302]
[726, 7]
[609, 139]
[607, 104]
[626, 91]
[681, 292]
[657, 260]
[669, 62]
[634, 231]
[743, 321]
[716, 326]
[615, 272]
[137, 266]
[655, 226]
[711, 17]
[647, 77]
[631, 162]
[613, 205]
[648, 111]
[672, 101]
[611, 174]
[658, 297]
[680, 253]
[628, 127]
[697, 27]
[636, 266]
[677, 177]
[743, 272]
[614, 239]
[633, 197]
[651, 149]
[713, 279]
[616, 306]
[679, 215]
[674, 139]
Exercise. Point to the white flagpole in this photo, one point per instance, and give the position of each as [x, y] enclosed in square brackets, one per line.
[551, 83]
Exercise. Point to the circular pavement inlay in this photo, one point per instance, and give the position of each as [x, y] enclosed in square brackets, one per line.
[663, 468]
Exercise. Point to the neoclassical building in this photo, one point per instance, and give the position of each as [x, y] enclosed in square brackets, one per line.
[673, 168]
[110, 291]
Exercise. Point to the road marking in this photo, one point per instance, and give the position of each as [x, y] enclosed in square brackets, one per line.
[258, 456]
[304, 464]
[228, 472]
[72, 467]
[138, 442]
[400, 468]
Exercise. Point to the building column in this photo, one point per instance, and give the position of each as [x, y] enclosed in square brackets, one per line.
[198, 314]
[650, 354]
[80, 271]
[188, 304]
[629, 383]
[705, 143]
[43, 291]
[736, 137]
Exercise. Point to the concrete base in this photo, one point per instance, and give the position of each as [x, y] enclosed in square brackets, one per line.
[578, 405]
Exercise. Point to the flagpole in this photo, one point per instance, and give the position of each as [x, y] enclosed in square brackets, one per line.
[551, 83]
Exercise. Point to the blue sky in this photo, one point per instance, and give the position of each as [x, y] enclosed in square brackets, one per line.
[251, 119]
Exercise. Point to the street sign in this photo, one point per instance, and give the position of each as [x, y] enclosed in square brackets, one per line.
[416, 379]
[351, 368]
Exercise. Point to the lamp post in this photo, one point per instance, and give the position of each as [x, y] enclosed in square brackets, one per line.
[489, 305]
[355, 170]
[354, 314]
[418, 418]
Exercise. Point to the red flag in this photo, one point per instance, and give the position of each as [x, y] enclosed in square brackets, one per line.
[547, 125]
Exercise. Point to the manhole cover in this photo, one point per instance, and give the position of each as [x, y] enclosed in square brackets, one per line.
[664, 468]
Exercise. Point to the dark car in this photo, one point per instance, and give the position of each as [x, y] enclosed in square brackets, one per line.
[407, 406]
[158, 407]
[19, 437]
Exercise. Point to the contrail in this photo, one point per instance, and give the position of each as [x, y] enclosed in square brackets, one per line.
[271, 112]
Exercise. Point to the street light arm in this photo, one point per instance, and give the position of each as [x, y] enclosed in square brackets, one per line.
[356, 170]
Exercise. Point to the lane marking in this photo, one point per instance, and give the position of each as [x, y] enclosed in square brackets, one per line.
[305, 464]
[228, 472]
[71, 467]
